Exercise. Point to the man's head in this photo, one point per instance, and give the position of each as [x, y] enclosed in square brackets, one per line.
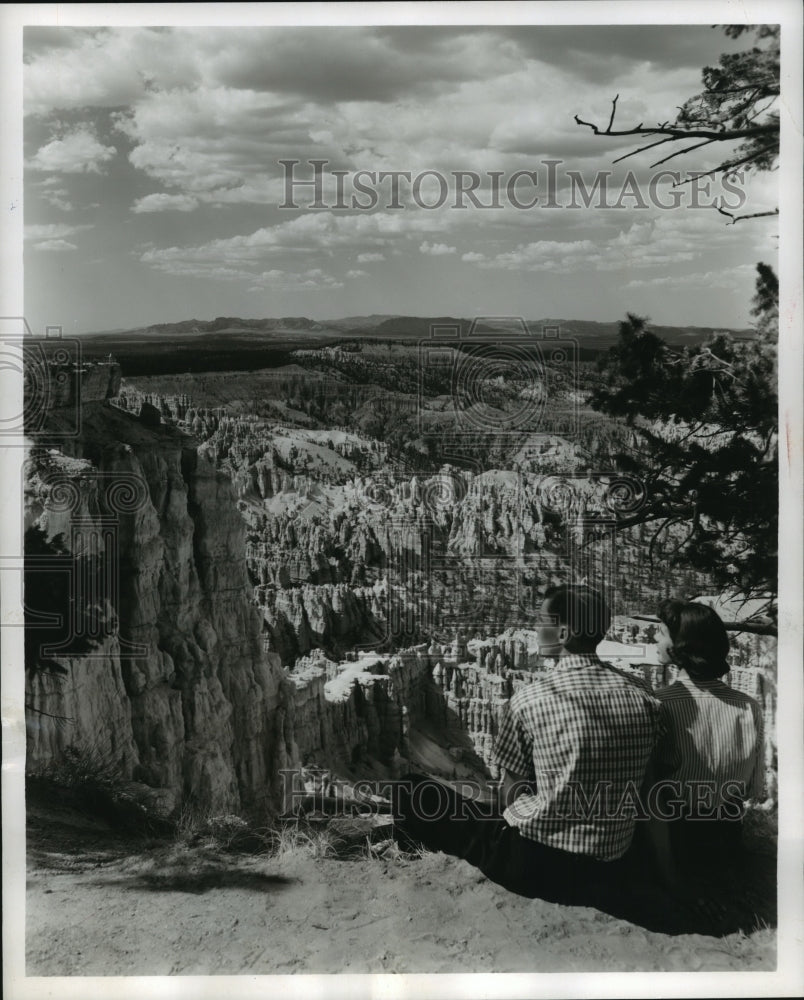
[574, 619]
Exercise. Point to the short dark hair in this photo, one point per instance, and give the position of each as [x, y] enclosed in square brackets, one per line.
[700, 641]
[582, 609]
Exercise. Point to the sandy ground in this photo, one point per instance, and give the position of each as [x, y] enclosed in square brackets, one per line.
[99, 904]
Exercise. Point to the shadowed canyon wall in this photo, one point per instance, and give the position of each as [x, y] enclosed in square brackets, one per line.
[175, 688]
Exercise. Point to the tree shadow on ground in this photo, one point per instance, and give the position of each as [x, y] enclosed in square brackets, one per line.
[205, 881]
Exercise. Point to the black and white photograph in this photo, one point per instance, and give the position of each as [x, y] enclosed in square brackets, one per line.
[401, 430]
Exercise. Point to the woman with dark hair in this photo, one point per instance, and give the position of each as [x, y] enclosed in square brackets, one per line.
[709, 756]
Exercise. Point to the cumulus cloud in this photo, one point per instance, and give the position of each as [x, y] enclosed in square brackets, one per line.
[312, 280]
[203, 117]
[666, 239]
[52, 230]
[210, 113]
[162, 202]
[50, 191]
[78, 152]
[55, 245]
[216, 144]
[546, 255]
[734, 277]
[436, 249]
[107, 68]
[355, 63]
[312, 234]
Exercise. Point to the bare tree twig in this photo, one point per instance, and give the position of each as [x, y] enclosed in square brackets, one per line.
[613, 111]
[675, 132]
[755, 628]
[725, 167]
[739, 218]
[642, 149]
[681, 152]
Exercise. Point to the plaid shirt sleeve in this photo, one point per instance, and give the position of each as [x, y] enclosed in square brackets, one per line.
[514, 748]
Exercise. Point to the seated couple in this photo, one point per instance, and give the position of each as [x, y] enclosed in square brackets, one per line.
[588, 751]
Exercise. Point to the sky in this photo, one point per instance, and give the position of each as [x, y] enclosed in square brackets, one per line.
[154, 190]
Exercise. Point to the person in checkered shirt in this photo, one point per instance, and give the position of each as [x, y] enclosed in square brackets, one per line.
[573, 746]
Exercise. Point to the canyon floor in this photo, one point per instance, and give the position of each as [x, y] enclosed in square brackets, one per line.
[103, 904]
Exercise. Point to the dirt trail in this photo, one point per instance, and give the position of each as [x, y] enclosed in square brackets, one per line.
[102, 905]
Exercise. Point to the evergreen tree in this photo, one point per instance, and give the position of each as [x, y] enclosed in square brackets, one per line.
[737, 108]
[707, 446]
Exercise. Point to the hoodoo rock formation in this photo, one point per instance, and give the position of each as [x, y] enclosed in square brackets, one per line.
[176, 689]
[259, 595]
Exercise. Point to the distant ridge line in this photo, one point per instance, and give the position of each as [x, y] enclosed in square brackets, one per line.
[591, 333]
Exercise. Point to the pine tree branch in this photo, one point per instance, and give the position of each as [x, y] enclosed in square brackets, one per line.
[682, 152]
[675, 132]
[650, 145]
[755, 628]
[739, 218]
[726, 167]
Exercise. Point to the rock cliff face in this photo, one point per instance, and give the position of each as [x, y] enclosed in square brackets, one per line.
[342, 553]
[55, 377]
[440, 708]
[181, 696]
[334, 617]
[357, 712]
[328, 516]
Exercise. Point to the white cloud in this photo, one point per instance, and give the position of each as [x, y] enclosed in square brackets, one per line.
[213, 270]
[311, 235]
[55, 245]
[79, 152]
[206, 115]
[313, 280]
[107, 68]
[56, 196]
[162, 202]
[52, 230]
[666, 239]
[546, 255]
[436, 249]
[217, 144]
[211, 113]
[734, 277]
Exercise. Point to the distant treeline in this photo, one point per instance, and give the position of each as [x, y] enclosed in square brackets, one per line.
[191, 356]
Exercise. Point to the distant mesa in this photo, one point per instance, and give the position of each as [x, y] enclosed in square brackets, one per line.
[590, 334]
